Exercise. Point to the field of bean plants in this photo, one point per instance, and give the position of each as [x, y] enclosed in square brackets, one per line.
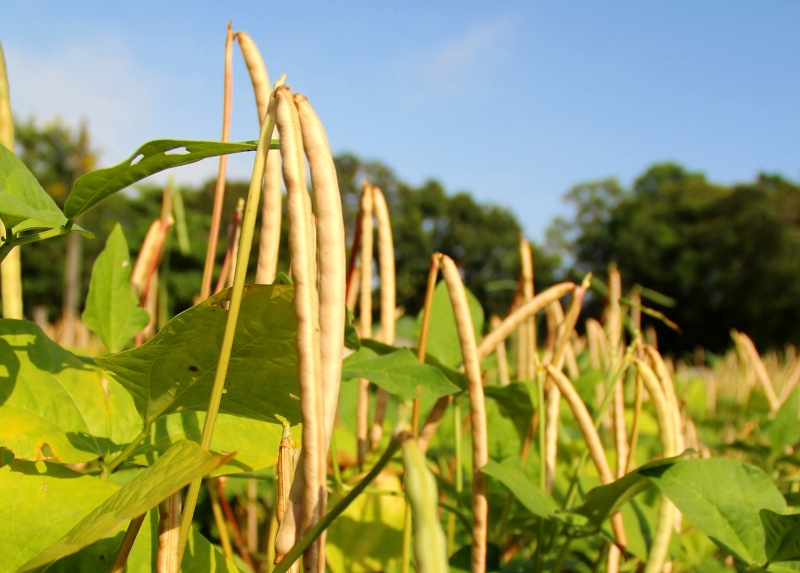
[273, 427]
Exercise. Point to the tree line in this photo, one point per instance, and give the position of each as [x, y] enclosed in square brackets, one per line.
[727, 255]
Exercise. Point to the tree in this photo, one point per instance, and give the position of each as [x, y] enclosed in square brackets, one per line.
[727, 255]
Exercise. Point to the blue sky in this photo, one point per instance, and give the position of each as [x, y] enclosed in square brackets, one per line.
[513, 101]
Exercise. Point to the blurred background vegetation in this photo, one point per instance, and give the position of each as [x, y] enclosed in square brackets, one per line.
[727, 255]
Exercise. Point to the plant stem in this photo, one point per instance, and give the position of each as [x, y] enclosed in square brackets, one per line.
[5, 248]
[246, 242]
[127, 543]
[562, 555]
[219, 191]
[108, 469]
[219, 519]
[337, 510]
[337, 473]
[405, 566]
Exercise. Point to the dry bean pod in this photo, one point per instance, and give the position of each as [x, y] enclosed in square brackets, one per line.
[169, 529]
[477, 408]
[388, 301]
[305, 302]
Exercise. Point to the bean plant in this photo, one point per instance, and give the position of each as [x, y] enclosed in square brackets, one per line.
[271, 427]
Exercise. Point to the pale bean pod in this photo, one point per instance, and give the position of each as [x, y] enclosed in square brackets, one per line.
[270, 236]
[388, 302]
[306, 300]
[480, 446]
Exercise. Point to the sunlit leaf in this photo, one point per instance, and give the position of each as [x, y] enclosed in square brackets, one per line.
[22, 197]
[112, 308]
[398, 373]
[175, 369]
[55, 405]
[602, 501]
[722, 498]
[784, 430]
[255, 442]
[42, 501]
[150, 158]
[368, 535]
[182, 463]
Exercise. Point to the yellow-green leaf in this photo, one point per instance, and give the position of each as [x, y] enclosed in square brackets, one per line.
[112, 308]
[182, 463]
[175, 370]
[54, 405]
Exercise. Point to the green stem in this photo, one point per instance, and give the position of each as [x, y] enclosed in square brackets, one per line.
[458, 450]
[109, 468]
[337, 474]
[49, 234]
[325, 522]
[5, 248]
[562, 555]
[598, 416]
[405, 566]
[542, 407]
[245, 243]
[540, 379]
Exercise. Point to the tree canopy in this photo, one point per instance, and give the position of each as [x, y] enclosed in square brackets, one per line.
[728, 255]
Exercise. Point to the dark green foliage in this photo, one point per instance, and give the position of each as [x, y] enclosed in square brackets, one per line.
[727, 255]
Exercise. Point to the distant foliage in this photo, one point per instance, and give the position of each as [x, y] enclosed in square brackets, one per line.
[728, 255]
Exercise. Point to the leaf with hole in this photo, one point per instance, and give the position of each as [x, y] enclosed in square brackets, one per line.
[182, 463]
[112, 308]
[175, 369]
[152, 157]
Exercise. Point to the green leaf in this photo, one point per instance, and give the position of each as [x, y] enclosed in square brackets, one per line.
[368, 535]
[514, 403]
[181, 464]
[782, 535]
[351, 339]
[461, 560]
[22, 198]
[722, 498]
[54, 405]
[443, 341]
[112, 308]
[175, 369]
[538, 502]
[601, 502]
[42, 501]
[200, 557]
[255, 443]
[784, 430]
[455, 376]
[152, 157]
[398, 373]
